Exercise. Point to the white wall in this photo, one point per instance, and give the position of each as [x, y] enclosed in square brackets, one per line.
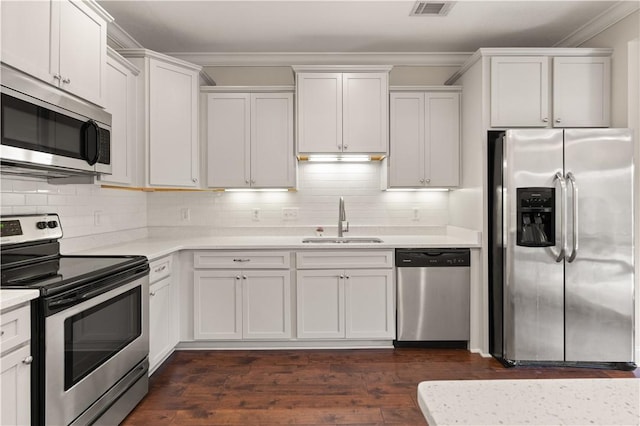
[319, 187]
[123, 214]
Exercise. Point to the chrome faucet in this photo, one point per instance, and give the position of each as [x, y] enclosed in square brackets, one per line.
[343, 225]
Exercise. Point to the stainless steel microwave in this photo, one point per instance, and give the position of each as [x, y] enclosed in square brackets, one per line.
[46, 132]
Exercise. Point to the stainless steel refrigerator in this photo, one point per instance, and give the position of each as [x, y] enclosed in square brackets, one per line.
[561, 270]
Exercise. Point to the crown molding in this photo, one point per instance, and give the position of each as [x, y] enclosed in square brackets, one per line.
[113, 54]
[146, 53]
[606, 19]
[273, 59]
[427, 88]
[248, 89]
[118, 38]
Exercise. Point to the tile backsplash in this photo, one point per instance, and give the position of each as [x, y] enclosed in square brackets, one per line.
[315, 203]
[94, 216]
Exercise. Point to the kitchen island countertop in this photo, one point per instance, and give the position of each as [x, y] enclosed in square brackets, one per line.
[14, 297]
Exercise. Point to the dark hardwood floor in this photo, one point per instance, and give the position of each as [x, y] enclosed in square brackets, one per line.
[315, 387]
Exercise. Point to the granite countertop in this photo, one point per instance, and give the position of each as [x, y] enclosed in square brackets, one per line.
[537, 402]
[156, 247]
[14, 297]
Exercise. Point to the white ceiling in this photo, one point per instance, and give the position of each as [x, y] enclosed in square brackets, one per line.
[346, 25]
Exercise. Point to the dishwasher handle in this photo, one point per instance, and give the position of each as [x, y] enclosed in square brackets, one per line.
[420, 258]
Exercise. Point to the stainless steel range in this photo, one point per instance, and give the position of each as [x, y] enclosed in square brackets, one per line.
[90, 332]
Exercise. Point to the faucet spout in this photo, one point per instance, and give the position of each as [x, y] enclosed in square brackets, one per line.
[343, 225]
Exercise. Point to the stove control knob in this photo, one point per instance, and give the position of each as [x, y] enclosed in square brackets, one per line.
[41, 225]
[52, 224]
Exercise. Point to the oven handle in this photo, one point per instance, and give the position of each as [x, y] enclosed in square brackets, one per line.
[54, 306]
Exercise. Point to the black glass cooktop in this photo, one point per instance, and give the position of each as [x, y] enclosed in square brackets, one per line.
[62, 273]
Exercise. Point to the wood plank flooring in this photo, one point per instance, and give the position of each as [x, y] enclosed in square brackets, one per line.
[315, 387]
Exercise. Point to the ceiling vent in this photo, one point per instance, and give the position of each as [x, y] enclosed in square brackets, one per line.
[431, 8]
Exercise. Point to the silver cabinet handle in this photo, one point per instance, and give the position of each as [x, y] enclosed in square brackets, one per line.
[346, 146]
[2, 333]
[194, 180]
[574, 216]
[66, 80]
[253, 181]
[341, 277]
[545, 120]
[237, 277]
[563, 216]
[246, 181]
[160, 268]
[242, 260]
[421, 180]
[558, 120]
[57, 76]
[347, 276]
[428, 181]
[28, 360]
[244, 277]
[152, 293]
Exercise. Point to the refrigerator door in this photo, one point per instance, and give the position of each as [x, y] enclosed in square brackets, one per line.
[533, 276]
[599, 272]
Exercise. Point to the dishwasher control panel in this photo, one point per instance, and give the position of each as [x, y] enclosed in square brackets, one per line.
[420, 258]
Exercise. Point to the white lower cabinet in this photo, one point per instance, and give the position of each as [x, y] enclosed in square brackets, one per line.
[234, 301]
[353, 303]
[163, 314]
[15, 374]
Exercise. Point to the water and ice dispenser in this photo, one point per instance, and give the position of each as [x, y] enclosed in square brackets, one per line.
[536, 217]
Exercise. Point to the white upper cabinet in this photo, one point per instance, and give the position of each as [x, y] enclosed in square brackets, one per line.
[342, 112]
[168, 118]
[120, 102]
[425, 139]
[581, 91]
[520, 91]
[544, 91]
[62, 42]
[250, 140]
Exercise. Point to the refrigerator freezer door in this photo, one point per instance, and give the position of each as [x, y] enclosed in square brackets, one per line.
[533, 278]
[599, 281]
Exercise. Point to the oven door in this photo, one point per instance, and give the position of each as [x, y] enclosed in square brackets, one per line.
[91, 346]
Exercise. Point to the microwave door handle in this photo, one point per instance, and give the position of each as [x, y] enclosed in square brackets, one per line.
[574, 216]
[91, 142]
[563, 216]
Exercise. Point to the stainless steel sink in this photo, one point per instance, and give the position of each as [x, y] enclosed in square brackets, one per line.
[342, 240]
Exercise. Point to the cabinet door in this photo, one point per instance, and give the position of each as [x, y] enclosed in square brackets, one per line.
[173, 125]
[320, 304]
[217, 305]
[442, 162]
[369, 304]
[520, 91]
[319, 112]
[266, 304]
[365, 112]
[82, 44]
[16, 388]
[407, 144]
[581, 92]
[228, 140]
[272, 151]
[120, 101]
[26, 30]
[159, 322]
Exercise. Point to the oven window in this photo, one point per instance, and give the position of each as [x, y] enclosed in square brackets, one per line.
[95, 335]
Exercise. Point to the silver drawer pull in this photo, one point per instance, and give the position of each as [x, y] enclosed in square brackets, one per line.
[28, 360]
[153, 293]
[2, 333]
[161, 268]
[242, 260]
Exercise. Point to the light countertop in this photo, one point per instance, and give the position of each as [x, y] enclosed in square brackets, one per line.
[156, 247]
[537, 402]
[14, 297]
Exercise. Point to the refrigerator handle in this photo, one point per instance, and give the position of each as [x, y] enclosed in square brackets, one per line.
[563, 216]
[574, 198]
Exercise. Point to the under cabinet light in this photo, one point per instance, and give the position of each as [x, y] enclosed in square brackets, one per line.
[417, 189]
[329, 158]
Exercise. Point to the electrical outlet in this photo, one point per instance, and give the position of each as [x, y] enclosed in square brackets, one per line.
[416, 214]
[97, 217]
[255, 214]
[185, 214]
[290, 213]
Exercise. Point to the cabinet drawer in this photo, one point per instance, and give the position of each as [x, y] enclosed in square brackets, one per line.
[16, 327]
[242, 259]
[344, 259]
[160, 269]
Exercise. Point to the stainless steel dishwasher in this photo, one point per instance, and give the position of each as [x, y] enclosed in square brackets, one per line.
[432, 297]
